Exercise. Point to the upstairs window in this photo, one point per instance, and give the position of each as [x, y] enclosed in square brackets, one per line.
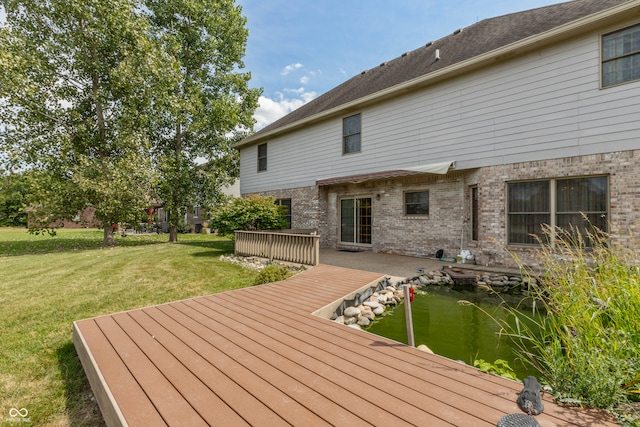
[351, 134]
[621, 56]
[262, 157]
[416, 203]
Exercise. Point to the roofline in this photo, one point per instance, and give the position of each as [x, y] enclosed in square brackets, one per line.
[594, 21]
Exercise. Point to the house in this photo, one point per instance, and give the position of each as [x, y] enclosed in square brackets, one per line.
[470, 142]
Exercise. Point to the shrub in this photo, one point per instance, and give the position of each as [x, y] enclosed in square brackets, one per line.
[588, 345]
[250, 213]
[272, 273]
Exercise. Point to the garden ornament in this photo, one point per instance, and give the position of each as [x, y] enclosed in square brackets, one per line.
[530, 400]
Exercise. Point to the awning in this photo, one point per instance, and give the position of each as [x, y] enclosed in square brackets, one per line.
[433, 168]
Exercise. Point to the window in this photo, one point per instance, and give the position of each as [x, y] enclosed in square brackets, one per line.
[285, 205]
[621, 56]
[416, 203]
[351, 134]
[475, 213]
[563, 203]
[262, 157]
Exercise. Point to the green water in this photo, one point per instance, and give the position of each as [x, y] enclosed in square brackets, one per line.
[452, 330]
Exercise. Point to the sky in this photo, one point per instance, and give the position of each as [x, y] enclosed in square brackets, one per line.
[300, 49]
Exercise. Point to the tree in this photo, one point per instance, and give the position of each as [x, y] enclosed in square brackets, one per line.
[14, 193]
[77, 84]
[208, 108]
[250, 213]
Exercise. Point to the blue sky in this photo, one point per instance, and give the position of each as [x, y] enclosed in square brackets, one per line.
[299, 49]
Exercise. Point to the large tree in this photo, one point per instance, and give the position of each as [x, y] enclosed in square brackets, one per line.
[209, 107]
[78, 79]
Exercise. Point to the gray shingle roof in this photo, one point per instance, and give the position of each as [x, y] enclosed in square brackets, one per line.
[482, 37]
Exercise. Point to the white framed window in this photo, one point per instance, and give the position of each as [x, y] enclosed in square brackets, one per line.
[416, 203]
[571, 204]
[351, 128]
[262, 157]
[621, 56]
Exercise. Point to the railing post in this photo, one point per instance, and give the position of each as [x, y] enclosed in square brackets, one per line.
[408, 316]
[270, 246]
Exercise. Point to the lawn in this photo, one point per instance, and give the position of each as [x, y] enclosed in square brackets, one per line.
[48, 282]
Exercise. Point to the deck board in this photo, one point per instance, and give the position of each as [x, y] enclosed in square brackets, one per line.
[257, 356]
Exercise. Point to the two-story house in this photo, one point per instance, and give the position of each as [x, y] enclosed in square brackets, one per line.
[471, 141]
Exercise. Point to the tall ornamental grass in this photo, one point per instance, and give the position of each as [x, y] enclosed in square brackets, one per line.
[587, 347]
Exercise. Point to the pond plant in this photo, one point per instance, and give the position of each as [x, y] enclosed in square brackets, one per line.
[587, 347]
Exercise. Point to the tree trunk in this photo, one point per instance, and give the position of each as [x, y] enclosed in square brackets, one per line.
[173, 233]
[108, 239]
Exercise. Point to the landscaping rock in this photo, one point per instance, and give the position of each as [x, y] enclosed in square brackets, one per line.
[351, 312]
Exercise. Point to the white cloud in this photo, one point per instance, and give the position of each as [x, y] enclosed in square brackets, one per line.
[304, 80]
[289, 68]
[270, 110]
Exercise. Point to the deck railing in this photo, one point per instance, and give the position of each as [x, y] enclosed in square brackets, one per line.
[281, 246]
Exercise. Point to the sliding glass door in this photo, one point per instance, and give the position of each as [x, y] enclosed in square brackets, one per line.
[355, 220]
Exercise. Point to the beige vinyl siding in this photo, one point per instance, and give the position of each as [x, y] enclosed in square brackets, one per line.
[545, 105]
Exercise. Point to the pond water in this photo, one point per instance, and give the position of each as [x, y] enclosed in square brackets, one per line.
[453, 330]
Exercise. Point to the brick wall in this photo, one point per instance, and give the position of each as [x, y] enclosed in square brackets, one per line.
[623, 169]
[448, 225]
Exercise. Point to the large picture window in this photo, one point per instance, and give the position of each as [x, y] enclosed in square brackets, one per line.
[572, 204]
[416, 203]
[351, 134]
[621, 56]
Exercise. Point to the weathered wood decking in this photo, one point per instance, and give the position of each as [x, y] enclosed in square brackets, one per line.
[257, 356]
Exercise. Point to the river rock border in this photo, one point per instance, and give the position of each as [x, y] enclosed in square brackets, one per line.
[360, 311]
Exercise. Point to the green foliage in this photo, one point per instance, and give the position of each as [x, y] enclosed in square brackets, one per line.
[588, 346]
[250, 213]
[117, 102]
[14, 193]
[499, 367]
[208, 106]
[77, 80]
[272, 273]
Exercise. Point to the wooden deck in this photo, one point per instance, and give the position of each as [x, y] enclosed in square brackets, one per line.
[257, 356]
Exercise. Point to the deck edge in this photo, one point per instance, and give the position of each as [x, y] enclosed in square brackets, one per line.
[109, 408]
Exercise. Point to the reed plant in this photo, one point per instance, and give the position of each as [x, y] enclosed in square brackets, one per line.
[587, 347]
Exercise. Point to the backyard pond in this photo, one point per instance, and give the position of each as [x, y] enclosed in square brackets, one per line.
[457, 331]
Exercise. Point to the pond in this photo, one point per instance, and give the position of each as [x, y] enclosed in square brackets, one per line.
[453, 330]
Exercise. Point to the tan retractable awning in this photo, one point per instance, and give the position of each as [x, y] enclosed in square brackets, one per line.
[433, 168]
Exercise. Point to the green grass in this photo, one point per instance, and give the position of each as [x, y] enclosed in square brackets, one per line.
[48, 282]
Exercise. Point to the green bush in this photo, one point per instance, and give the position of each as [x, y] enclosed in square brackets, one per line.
[588, 345]
[250, 213]
[272, 273]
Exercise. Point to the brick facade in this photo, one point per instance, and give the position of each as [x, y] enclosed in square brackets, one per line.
[448, 225]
